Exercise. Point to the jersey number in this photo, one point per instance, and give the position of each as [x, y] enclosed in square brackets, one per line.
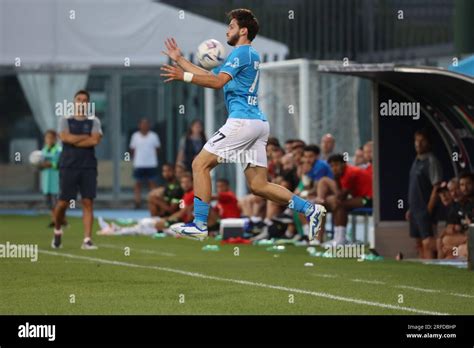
[222, 136]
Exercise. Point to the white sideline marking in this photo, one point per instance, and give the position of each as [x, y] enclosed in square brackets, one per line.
[408, 287]
[246, 282]
[460, 295]
[416, 289]
[368, 281]
[325, 275]
[144, 251]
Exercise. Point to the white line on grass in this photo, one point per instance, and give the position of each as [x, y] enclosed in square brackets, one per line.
[245, 282]
[325, 275]
[461, 295]
[416, 289]
[144, 251]
[407, 287]
[368, 281]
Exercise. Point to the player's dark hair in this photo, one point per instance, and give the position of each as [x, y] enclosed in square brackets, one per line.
[336, 158]
[298, 146]
[225, 181]
[83, 91]
[51, 131]
[313, 148]
[245, 19]
[425, 133]
[467, 175]
[167, 164]
[273, 141]
[279, 149]
[190, 127]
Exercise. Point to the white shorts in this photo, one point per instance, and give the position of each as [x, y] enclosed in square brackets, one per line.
[241, 141]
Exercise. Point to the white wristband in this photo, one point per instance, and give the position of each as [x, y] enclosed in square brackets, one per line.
[187, 77]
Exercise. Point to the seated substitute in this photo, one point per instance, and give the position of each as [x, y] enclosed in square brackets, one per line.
[351, 189]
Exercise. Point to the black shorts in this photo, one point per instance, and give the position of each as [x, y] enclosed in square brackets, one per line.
[144, 175]
[421, 225]
[73, 180]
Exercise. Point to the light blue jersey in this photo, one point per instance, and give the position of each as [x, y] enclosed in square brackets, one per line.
[240, 93]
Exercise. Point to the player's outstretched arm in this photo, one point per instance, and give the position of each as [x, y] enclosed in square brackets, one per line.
[174, 53]
[210, 80]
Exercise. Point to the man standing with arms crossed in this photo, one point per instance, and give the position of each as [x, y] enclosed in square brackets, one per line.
[246, 129]
[78, 167]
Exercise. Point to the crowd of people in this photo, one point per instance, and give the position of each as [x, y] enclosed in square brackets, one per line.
[318, 173]
[315, 172]
[432, 200]
[338, 181]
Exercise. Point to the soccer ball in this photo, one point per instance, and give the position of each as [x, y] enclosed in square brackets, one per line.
[210, 54]
[36, 157]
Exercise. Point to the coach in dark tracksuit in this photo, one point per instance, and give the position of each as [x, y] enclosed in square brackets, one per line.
[78, 167]
[425, 178]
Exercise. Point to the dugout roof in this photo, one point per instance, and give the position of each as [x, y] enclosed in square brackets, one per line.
[77, 34]
[446, 101]
[446, 98]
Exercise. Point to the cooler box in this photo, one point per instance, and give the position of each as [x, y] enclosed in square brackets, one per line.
[232, 228]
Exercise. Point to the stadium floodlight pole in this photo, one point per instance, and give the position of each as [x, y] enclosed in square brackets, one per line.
[304, 121]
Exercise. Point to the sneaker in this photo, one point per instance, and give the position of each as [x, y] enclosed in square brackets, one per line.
[262, 235]
[189, 230]
[56, 242]
[315, 242]
[102, 223]
[335, 242]
[315, 219]
[88, 245]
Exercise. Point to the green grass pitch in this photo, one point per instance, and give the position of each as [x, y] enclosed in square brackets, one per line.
[174, 276]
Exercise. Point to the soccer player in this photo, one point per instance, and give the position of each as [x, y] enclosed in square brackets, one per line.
[245, 131]
[78, 167]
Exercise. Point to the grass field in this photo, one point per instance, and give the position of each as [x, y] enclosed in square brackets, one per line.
[158, 272]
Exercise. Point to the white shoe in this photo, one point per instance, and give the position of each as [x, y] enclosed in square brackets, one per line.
[262, 235]
[102, 223]
[315, 219]
[189, 230]
[88, 245]
[335, 242]
[56, 242]
[315, 242]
